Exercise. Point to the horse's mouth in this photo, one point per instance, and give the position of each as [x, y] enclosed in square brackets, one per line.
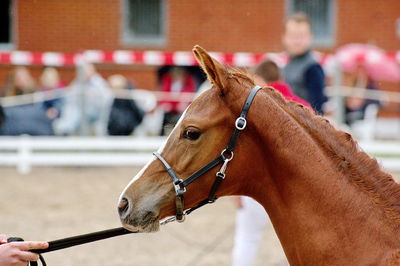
[148, 222]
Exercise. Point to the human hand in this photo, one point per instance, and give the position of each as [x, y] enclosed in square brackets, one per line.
[3, 239]
[17, 254]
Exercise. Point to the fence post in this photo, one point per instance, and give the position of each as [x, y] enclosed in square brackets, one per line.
[339, 100]
[24, 152]
[80, 72]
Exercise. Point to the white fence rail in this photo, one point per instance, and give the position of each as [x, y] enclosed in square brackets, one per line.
[24, 152]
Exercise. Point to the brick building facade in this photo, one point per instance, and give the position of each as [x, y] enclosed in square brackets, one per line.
[217, 25]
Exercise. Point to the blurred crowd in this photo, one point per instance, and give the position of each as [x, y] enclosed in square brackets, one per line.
[93, 105]
[104, 106]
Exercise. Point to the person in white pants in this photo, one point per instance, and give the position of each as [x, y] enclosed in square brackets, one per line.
[251, 220]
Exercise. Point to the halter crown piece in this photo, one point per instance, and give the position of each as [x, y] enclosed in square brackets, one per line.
[224, 158]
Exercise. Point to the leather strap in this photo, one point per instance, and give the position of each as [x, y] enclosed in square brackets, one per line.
[180, 208]
[203, 170]
[241, 122]
[169, 169]
[214, 188]
[179, 188]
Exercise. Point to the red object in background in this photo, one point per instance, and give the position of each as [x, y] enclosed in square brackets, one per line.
[376, 62]
[178, 106]
[286, 91]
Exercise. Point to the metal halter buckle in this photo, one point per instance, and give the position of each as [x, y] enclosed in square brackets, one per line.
[240, 120]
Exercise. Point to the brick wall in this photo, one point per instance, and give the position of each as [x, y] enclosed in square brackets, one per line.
[371, 21]
[67, 25]
[232, 26]
[71, 25]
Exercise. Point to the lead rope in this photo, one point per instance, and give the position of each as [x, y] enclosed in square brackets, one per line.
[73, 241]
[79, 240]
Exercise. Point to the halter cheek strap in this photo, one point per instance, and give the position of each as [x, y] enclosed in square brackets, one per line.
[224, 158]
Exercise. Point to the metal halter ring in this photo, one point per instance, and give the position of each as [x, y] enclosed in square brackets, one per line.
[238, 120]
[178, 188]
[230, 155]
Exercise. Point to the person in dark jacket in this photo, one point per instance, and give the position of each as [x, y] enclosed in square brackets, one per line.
[303, 73]
[30, 119]
[2, 116]
[125, 114]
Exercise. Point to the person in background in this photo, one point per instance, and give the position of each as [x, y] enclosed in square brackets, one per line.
[20, 82]
[2, 116]
[303, 73]
[125, 115]
[91, 110]
[16, 253]
[251, 217]
[176, 81]
[356, 106]
[50, 81]
[268, 73]
[29, 117]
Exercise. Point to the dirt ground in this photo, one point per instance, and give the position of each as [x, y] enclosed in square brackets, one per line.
[52, 203]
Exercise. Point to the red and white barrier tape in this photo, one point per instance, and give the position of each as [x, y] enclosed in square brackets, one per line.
[149, 58]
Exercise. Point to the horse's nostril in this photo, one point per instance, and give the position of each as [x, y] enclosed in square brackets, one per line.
[123, 206]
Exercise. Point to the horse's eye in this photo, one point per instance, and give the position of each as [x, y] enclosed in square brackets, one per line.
[191, 133]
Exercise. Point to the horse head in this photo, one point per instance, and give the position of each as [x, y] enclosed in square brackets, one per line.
[200, 135]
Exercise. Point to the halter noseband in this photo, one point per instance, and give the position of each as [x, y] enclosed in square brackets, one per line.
[225, 157]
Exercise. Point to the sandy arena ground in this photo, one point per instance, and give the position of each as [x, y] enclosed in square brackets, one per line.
[52, 203]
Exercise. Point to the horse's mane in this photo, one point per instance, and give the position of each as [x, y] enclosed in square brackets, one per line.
[361, 170]
[344, 152]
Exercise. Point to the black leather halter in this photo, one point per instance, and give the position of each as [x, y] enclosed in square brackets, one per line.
[225, 157]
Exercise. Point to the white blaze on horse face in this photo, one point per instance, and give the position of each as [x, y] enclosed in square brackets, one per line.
[160, 150]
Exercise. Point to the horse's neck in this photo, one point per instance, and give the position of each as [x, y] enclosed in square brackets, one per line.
[310, 203]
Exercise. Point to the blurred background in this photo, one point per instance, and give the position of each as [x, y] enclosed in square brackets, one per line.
[89, 88]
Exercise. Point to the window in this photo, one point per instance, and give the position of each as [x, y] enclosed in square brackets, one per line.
[144, 22]
[5, 24]
[321, 14]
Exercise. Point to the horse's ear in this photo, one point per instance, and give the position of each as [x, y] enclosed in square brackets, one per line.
[215, 71]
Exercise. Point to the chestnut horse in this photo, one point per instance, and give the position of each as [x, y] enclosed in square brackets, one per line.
[329, 202]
